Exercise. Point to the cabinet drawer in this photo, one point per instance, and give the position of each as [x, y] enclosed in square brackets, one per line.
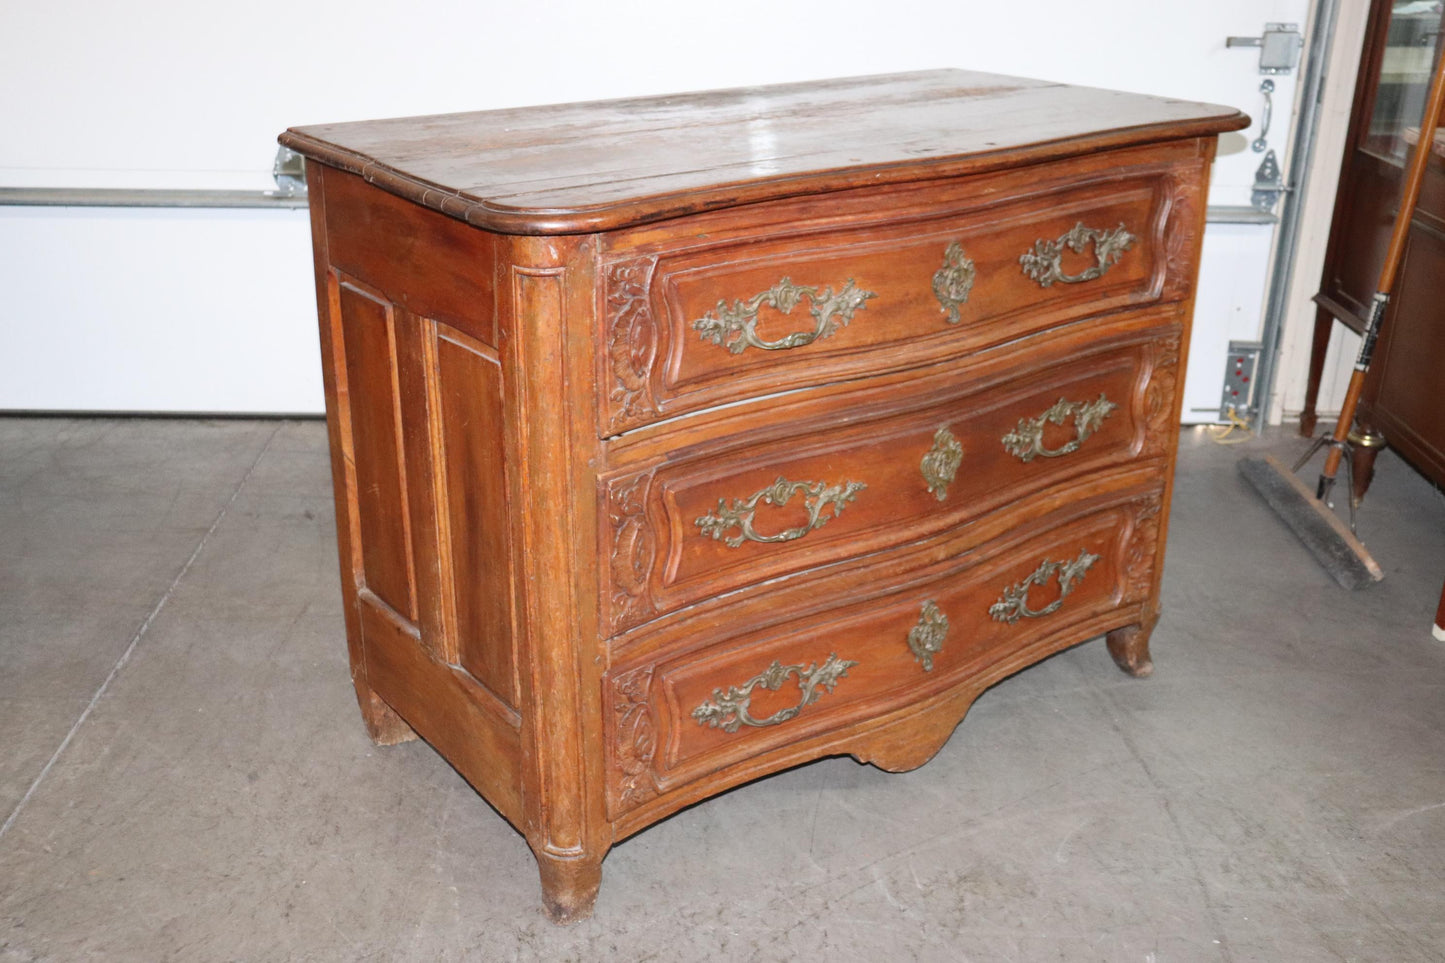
[752, 315]
[876, 467]
[679, 715]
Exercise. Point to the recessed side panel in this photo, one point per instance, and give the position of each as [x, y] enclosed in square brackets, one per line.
[474, 513]
[447, 708]
[368, 338]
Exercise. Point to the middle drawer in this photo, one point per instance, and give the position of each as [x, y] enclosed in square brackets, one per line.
[886, 464]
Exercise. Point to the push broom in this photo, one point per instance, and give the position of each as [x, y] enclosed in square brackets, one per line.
[1308, 515]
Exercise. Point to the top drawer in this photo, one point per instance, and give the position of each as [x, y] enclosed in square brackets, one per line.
[716, 312]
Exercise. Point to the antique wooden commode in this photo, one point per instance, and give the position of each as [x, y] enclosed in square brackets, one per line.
[683, 439]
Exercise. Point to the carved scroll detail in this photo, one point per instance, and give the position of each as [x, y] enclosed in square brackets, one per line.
[631, 342]
[1139, 557]
[1159, 392]
[634, 550]
[1180, 233]
[636, 736]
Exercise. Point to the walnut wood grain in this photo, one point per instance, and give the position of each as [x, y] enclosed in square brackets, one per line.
[526, 425]
[871, 632]
[600, 166]
[382, 723]
[470, 448]
[881, 447]
[667, 280]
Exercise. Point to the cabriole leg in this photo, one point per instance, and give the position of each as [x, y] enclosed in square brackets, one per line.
[1130, 648]
[569, 885]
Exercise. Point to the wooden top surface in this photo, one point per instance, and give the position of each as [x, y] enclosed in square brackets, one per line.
[574, 168]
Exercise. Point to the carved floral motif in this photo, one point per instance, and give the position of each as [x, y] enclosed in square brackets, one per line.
[636, 736]
[1159, 392]
[634, 550]
[1143, 546]
[631, 342]
[1180, 235]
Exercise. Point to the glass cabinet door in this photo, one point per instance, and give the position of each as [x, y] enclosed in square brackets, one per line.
[1412, 44]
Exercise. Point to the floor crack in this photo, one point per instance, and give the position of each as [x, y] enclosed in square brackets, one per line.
[139, 634]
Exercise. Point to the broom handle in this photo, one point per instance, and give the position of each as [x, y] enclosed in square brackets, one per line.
[1414, 178]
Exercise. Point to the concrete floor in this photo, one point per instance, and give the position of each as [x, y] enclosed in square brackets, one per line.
[184, 775]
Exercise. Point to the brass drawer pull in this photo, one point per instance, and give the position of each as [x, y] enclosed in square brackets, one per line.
[739, 513]
[728, 710]
[953, 281]
[926, 638]
[735, 326]
[1045, 262]
[940, 464]
[1014, 603]
[1026, 441]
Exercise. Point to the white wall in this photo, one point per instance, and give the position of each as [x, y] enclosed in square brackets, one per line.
[158, 310]
[174, 311]
[1319, 201]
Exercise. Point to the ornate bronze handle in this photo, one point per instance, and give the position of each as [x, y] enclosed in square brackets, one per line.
[739, 512]
[953, 281]
[1045, 262]
[1014, 603]
[926, 638]
[1026, 441]
[735, 326]
[728, 710]
[940, 464]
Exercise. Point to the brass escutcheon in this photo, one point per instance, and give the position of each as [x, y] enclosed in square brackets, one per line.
[728, 710]
[1045, 262]
[953, 282]
[926, 638]
[1014, 603]
[940, 463]
[740, 511]
[734, 326]
[1026, 441]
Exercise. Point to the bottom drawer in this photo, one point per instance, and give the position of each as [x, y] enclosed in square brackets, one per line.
[681, 716]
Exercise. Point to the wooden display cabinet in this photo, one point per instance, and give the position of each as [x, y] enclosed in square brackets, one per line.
[1402, 400]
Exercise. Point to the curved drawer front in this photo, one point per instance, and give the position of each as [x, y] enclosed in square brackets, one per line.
[676, 717]
[857, 476]
[757, 315]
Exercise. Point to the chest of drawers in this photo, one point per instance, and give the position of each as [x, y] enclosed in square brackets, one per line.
[680, 440]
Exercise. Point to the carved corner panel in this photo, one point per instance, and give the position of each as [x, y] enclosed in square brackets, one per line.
[1181, 235]
[1141, 550]
[1161, 387]
[632, 552]
[634, 739]
[631, 347]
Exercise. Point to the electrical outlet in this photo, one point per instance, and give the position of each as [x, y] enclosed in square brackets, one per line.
[1240, 368]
